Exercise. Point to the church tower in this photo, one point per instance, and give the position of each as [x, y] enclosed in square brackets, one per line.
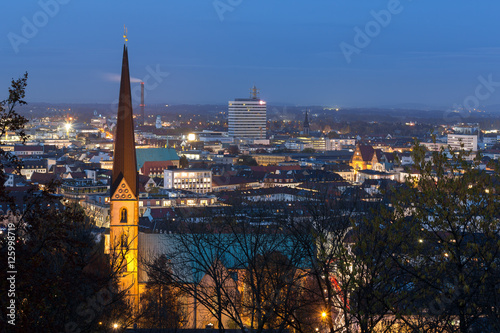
[124, 222]
[305, 125]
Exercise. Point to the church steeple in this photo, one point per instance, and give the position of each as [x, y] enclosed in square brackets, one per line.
[305, 125]
[124, 204]
[124, 159]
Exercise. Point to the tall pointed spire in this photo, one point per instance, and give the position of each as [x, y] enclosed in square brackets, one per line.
[305, 125]
[124, 159]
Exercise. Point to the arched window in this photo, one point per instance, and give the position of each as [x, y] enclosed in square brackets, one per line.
[123, 215]
[124, 242]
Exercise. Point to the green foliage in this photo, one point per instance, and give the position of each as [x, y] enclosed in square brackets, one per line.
[183, 162]
[64, 281]
[11, 121]
[62, 270]
[447, 221]
[161, 302]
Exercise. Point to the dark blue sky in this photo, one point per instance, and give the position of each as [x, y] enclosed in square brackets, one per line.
[430, 52]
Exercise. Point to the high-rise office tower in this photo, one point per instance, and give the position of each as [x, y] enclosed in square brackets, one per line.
[247, 117]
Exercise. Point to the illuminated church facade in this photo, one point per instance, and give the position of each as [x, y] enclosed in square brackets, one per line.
[126, 245]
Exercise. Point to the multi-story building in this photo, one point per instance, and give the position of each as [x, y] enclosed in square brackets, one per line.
[97, 206]
[339, 144]
[466, 128]
[247, 117]
[155, 169]
[79, 189]
[433, 146]
[210, 136]
[469, 142]
[198, 181]
[30, 166]
[315, 143]
[489, 140]
[27, 151]
[270, 159]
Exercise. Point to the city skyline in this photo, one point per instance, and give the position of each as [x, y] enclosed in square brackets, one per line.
[360, 220]
[370, 53]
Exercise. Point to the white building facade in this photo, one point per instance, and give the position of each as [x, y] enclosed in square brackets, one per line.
[339, 144]
[198, 181]
[247, 118]
[469, 142]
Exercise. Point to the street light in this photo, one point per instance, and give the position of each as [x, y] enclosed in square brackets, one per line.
[68, 127]
[323, 314]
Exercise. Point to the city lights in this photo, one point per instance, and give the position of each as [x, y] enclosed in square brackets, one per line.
[361, 198]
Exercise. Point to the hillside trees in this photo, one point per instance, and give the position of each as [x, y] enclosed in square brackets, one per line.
[245, 275]
[62, 280]
[449, 217]
[11, 121]
[162, 303]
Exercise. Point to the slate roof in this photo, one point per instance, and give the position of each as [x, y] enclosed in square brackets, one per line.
[366, 152]
[43, 178]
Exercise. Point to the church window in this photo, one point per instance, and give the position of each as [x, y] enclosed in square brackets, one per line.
[124, 242]
[123, 215]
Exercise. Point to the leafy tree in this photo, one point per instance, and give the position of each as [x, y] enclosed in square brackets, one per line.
[161, 302]
[10, 120]
[183, 162]
[64, 282]
[448, 217]
[353, 284]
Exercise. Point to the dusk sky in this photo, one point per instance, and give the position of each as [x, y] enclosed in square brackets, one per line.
[428, 51]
